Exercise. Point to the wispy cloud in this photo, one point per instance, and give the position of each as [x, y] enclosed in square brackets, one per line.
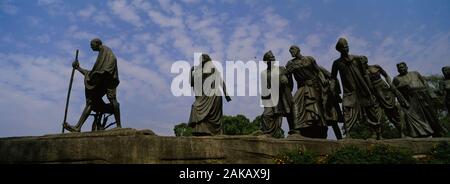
[54, 7]
[304, 13]
[76, 33]
[88, 11]
[126, 12]
[8, 7]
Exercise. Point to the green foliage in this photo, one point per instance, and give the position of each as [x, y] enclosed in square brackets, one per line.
[300, 156]
[182, 129]
[239, 125]
[440, 153]
[348, 155]
[374, 154]
[382, 154]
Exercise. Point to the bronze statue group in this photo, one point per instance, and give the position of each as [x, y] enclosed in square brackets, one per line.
[367, 99]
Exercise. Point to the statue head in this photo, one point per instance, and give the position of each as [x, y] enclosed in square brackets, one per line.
[342, 46]
[205, 58]
[364, 62]
[295, 51]
[402, 68]
[268, 56]
[95, 44]
[446, 72]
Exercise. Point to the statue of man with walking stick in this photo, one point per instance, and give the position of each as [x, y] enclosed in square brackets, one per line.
[102, 79]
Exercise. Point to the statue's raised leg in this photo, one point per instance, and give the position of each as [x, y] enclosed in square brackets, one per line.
[77, 128]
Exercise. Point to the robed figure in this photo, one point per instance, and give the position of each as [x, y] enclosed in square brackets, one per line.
[209, 87]
[276, 96]
[358, 103]
[420, 118]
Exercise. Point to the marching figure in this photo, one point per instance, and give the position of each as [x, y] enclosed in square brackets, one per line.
[277, 104]
[358, 102]
[102, 79]
[206, 112]
[420, 118]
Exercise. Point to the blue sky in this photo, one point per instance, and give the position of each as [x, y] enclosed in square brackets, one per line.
[39, 38]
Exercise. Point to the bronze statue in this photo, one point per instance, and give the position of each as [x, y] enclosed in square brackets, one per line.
[308, 108]
[331, 99]
[358, 104]
[445, 87]
[206, 112]
[385, 94]
[102, 79]
[273, 113]
[420, 118]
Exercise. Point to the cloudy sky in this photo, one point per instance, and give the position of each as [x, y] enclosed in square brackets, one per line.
[38, 40]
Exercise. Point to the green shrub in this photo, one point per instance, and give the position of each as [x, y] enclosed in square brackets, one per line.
[348, 155]
[182, 129]
[374, 154]
[300, 156]
[382, 154]
[440, 153]
[238, 125]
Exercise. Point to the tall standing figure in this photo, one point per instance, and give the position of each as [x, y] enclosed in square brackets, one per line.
[358, 102]
[276, 104]
[308, 111]
[420, 118]
[331, 100]
[102, 79]
[386, 94]
[206, 112]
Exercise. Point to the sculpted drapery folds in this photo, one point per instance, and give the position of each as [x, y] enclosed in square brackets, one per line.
[308, 110]
[275, 109]
[420, 118]
[206, 112]
[385, 94]
[359, 104]
[444, 87]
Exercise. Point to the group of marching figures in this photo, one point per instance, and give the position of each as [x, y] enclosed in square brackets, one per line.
[366, 100]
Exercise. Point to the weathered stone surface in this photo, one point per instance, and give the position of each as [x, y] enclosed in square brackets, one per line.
[143, 146]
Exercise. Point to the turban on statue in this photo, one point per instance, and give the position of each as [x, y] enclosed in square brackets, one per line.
[342, 42]
[267, 55]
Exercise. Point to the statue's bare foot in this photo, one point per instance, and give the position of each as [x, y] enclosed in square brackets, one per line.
[70, 128]
[297, 136]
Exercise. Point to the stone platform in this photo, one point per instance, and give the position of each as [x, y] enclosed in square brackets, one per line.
[129, 146]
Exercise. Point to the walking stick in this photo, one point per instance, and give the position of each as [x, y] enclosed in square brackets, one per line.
[68, 92]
